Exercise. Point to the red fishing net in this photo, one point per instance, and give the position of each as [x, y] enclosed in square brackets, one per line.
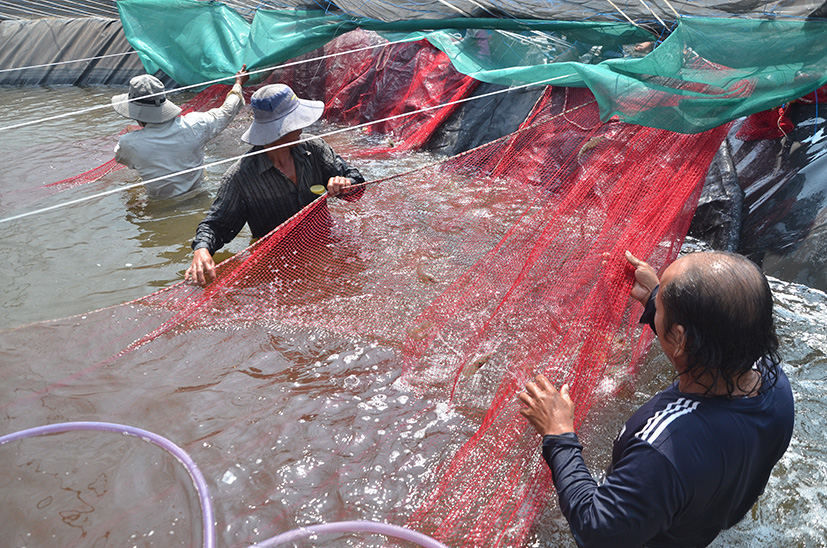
[471, 276]
[557, 286]
[403, 92]
[818, 96]
[776, 123]
[768, 124]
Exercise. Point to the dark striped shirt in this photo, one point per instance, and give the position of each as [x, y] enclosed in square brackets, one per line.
[255, 192]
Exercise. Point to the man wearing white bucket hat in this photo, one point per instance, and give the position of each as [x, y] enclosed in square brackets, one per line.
[169, 144]
[264, 190]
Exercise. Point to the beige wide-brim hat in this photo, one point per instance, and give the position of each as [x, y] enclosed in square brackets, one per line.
[276, 112]
[146, 101]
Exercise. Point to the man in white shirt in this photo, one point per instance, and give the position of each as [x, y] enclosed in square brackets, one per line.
[168, 143]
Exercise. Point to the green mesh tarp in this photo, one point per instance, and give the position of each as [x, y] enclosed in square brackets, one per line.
[189, 40]
[705, 73]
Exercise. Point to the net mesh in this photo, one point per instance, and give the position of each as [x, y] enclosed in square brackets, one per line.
[480, 272]
[818, 96]
[556, 282]
[776, 123]
[767, 124]
[473, 274]
[401, 92]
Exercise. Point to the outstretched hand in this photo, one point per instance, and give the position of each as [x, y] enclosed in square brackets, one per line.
[550, 412]
[242, 76]
[646, 279]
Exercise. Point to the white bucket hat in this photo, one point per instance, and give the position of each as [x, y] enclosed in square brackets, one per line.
[276, 112]
[146, 101]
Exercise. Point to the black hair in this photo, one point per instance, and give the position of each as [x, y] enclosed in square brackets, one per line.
[724, 303]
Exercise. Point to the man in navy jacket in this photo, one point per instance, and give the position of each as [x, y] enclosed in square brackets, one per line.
[694, 459]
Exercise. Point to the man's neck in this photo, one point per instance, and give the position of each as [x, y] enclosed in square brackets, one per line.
[280, 157]
[746, 386]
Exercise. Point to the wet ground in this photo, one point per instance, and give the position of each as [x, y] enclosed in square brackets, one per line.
[303, 403]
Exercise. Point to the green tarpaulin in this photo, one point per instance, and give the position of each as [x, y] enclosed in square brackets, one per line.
[705, 73]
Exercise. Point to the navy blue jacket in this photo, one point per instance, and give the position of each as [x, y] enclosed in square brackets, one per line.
[684, 467]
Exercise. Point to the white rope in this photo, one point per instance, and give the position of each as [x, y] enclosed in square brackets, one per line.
[248, 154]
[678, 15]
[480, 6]
[71, 61]
[553, 39]
[29, 11]
[655, 14]
[209, 82]
[57, 8]
[101, 6]
[110, 6]
[622, 13]
[461, 12]
[90, 4]
[538, 38]
[238, 7]
[247, 6]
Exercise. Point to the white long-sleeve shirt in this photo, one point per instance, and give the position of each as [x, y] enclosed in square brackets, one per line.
[176, 145]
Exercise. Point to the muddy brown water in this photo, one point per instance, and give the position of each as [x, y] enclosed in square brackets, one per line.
[310, 424]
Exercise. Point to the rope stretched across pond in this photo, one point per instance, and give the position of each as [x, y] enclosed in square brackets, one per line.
[264, 150]
[193, 86]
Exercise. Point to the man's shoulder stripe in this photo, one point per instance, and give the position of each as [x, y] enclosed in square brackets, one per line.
[658, 422]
